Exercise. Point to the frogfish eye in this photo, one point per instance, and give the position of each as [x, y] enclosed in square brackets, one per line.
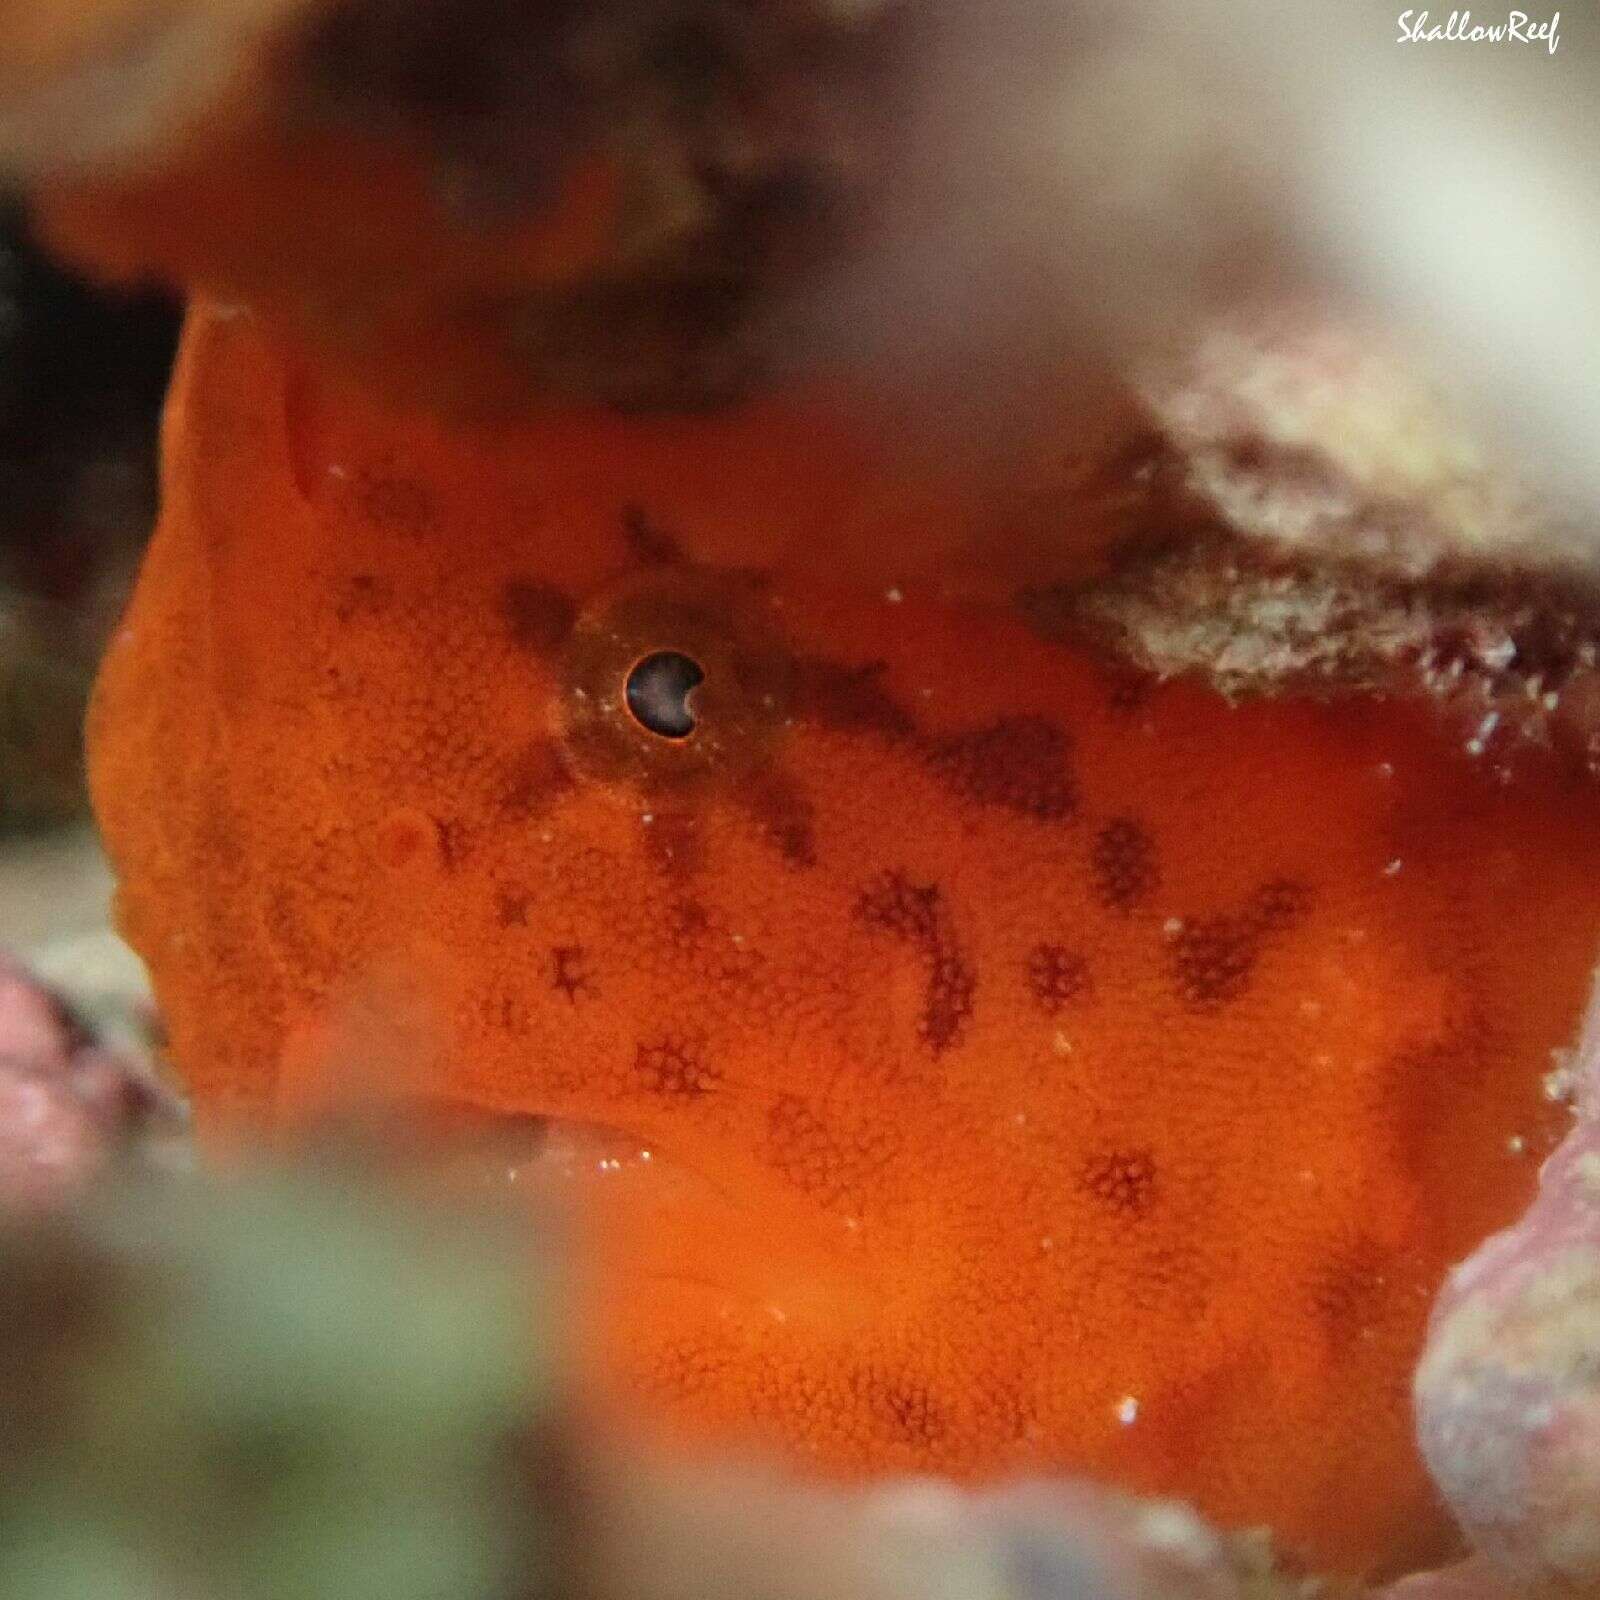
[658, 691]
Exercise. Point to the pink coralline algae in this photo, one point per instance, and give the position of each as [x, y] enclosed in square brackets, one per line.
[67, 1105]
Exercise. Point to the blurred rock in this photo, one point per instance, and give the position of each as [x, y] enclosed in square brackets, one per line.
[321, 1383]
[1508, 1389]
[1312, 433]
[69, 1107]
[292, 1386]
[1476, 1579]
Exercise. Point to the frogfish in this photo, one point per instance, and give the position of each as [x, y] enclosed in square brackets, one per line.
[997, 1062]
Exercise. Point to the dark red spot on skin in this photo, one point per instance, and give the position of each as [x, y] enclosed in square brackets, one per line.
[511, 907]
[1213, 958]
[1280, 905]
[511, 1013]
[402, 838]
[1349, 1292]
[1122, 864]
[898, 906]
[1020, 764]
[651, 545]
[785, 815]
[1121, 1182]
[1057, 975]
[848, 699]
[952, 988]
[675, 1067]
[688, 919]
[905, 1410]
[365, 595]
[569, 974]
[536, 777]
[913, 912]
[538, 616]
[453, 841]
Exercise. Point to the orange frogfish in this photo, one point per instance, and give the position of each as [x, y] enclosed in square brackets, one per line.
[1009, 1064]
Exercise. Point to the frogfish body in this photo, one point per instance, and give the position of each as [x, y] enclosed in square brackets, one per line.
[1013, 1065]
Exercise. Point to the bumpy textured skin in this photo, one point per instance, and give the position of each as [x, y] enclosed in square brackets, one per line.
[1010, 1064]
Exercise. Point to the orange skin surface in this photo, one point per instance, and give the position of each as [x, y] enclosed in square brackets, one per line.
[1038, 1069]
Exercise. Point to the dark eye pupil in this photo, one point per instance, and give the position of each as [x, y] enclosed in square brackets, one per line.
[658, 692]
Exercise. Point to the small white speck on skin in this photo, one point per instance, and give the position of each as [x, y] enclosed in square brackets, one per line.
[1561, 1082]
[737, 938]
[1551, 701]
[1021, 1119]
[1386, 769]
[1516, 1144]
[1061, 1044]
[645, 1155]
[338, 472]
[1047, 1244]
[1128, 1410]
[545, 837]
[647, 817]
[1172, 927]
[852, 1223]
[893, 596]
[778, 1314]
[1479, 741]
[1310, 1008]
[1393, 868]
